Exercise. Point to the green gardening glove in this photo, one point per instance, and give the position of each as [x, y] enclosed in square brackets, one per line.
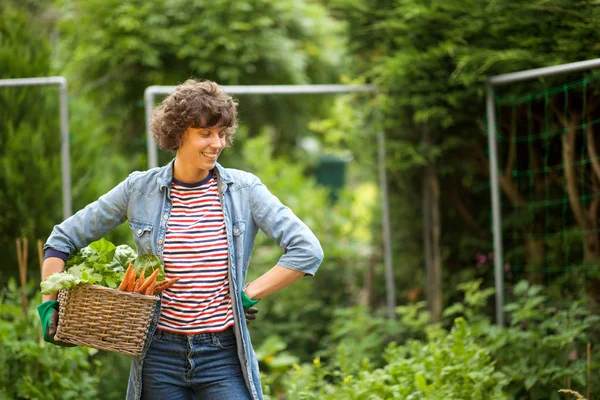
[247, 302]
[249, 311]
[48, 312]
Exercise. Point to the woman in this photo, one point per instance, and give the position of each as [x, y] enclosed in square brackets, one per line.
[201, 220]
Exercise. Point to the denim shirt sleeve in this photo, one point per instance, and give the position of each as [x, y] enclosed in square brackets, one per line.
[92, 222]
[302, 250]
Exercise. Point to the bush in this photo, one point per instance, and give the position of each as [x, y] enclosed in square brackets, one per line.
[35, 369]
[472, 359]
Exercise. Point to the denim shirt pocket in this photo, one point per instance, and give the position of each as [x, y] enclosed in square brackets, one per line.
[142, 235]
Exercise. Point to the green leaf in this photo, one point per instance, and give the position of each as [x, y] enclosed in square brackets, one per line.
[150, 262]
[421, 383]
[110, 283]
[104, 249]
[58, 281]
[530, 381]
[124, 255]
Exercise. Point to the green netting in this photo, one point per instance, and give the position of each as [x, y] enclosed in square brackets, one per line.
[549, 163]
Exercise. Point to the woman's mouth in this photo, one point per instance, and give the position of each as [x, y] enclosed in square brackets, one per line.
[210, 156]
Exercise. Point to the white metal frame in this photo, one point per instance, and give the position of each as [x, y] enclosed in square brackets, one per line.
[152, 91]
[495, 189]
[64, 130]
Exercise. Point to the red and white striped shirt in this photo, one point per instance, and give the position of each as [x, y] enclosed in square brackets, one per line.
[196, 251]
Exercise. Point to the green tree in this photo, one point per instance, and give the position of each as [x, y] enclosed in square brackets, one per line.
[431, 60]
[114, 49]
[29, 136]
[30, 155]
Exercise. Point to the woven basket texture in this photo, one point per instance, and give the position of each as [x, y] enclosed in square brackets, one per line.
[104, 318]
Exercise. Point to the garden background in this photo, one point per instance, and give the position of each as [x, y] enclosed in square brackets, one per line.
[329, 337]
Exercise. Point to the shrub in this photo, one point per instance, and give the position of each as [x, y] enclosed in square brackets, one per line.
[35, 369]
[533, 357]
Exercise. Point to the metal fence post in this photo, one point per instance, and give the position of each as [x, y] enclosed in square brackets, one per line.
[496, 213]
[64, 130]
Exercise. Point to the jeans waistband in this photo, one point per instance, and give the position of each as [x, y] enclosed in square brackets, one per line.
[193, 337]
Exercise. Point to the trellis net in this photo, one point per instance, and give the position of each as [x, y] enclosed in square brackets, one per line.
[549, 171]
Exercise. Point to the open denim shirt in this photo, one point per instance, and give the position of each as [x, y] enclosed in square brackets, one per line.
[144, 200]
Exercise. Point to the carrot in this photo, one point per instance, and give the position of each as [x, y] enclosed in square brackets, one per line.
[151, 279]
[125, 281]
[140, 281]
[150, 290]
[165, 285]
[131, 283]
[159, 286]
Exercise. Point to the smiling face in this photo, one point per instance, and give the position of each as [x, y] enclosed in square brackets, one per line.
[198, 153]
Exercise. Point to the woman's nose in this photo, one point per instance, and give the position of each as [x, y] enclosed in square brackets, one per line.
[216, 142]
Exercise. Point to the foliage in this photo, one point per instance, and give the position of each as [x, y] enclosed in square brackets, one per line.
[356, 337]
[451, 365]
[470, 359]
[114, 49]
[29, 135]
[30, 155]
[274, 358]
[546, 343]
[114, 379]
[454, 366]
[34, 369]
[431, 61]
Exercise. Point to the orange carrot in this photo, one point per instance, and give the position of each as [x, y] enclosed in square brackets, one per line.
[161, 285]
[151, 279]
[165, 285]
[150, 290]
[171, 282]
[125, 280]
[132, 279]
[140, 281]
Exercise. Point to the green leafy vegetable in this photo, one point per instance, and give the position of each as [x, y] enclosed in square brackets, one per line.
[150, 262]
[124, 255]
[101, 263]
[104, 249]
[59, 281]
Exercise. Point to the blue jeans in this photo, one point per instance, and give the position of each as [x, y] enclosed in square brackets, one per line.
[187, 367]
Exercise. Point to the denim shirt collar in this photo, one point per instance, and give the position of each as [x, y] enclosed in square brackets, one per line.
[165, 176]
[223, 174]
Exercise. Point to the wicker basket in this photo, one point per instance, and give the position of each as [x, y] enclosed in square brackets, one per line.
[104, 318]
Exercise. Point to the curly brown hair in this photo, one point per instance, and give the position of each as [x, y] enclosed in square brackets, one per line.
[196, 104]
